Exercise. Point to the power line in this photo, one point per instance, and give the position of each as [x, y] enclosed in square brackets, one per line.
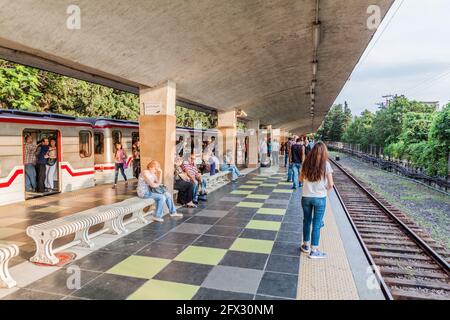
[381, 34]
[430, 81]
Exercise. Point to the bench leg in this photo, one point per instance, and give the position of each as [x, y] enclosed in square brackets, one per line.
[6, 281]
[83, 236]
[44, 252]
[116, 226]
[139, 216]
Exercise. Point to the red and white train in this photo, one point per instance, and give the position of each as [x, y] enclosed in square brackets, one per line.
[85, 149]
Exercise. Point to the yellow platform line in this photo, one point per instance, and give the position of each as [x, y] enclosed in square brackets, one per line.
[331, 278]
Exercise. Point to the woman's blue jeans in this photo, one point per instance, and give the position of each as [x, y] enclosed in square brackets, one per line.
[235, 173]
[159, 202]
[313, 212]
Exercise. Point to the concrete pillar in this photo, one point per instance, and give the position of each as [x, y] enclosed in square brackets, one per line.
[157, 128]
[253, 128]
[227, 126]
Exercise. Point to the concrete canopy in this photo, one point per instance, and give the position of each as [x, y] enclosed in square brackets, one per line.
[250, 54]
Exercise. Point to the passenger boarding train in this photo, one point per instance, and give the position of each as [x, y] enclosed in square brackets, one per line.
[85, 149]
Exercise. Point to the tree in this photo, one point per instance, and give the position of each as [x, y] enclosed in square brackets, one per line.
[335, 123]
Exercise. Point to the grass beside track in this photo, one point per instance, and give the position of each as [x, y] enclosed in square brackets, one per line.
[428, 208]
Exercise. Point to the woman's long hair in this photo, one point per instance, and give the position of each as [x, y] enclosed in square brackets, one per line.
[314, 166]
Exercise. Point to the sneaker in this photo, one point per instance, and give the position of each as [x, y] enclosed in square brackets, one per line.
[294, 188]
[305, 248]
[157, 219]
[317, 255]
[176, 215]
[114, 186]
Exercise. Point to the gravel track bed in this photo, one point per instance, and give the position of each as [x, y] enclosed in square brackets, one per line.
[428, 208]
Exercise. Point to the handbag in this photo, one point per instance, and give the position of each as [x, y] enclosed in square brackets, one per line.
[51, 161]
[162, 189]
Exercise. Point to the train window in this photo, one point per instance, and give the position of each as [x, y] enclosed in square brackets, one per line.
[99, 145]
[116, 137]
[85, 144]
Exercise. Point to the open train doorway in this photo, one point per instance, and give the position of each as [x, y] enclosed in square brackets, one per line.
[41, 154]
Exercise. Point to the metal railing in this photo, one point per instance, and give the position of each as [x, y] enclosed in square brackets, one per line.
[375, 156]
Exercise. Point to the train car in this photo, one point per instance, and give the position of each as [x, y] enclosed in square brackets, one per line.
[85, 150]
[108, 132]
[75, 156]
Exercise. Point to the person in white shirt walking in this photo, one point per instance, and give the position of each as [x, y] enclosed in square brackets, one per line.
[275, 153]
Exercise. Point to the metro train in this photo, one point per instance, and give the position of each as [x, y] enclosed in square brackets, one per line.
[85, 149]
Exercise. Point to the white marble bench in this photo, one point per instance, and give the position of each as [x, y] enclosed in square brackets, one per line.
[112, 216]
[217, 180]
[7, 252]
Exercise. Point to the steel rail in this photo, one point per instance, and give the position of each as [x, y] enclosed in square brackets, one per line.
[414, 237]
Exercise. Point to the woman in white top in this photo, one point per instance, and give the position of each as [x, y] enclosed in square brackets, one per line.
[150, 186]
[316, 175]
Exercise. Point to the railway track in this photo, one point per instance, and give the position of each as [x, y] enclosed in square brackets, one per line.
[409, 264]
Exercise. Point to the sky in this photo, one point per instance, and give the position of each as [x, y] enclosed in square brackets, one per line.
[412, 57]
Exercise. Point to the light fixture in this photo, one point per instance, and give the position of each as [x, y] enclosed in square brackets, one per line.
[316, 34]
[241, 113]
[315, 64]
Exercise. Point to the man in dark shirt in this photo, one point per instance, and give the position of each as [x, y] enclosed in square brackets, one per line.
[297, 158]
[41, 161]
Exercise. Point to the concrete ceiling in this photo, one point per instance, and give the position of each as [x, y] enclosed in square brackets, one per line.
[250, 54]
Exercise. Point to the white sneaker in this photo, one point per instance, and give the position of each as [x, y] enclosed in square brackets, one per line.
[176, 215]
[157, 219]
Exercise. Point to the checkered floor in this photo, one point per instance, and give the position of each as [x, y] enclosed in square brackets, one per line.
[242, 244]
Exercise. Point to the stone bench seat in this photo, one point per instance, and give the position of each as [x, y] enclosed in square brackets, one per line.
[7, 252]
[112, 216]
[219, 179]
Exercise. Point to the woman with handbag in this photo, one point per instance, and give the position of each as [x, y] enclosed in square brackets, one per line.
[184, 185]
[150, 186]
[120, 163]
[50, 167]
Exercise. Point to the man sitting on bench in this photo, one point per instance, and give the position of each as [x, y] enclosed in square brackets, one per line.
[190, 168]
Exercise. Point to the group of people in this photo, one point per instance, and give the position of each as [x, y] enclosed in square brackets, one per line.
[40, 161]
[309, 168]
[269, 152]
[121, 162]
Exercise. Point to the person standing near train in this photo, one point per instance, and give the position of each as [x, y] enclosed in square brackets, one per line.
[120, 162]
[50, 166]
[137, 159]
[41, 163]
[29, 163]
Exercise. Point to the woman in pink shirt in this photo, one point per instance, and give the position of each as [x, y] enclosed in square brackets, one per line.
[120, 160]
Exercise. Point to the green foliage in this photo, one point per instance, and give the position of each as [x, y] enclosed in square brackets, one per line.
[335, 123]
[19, 87]
[360, 130]
[195, 119]
[405, 129]
[30, 89]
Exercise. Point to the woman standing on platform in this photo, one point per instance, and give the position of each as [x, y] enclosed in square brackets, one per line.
[50, 167]
[150, 186]
[317, 178]
[120, 161]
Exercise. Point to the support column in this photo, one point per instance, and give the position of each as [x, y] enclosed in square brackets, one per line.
[227, 125]
[157, 128]
[253, 144]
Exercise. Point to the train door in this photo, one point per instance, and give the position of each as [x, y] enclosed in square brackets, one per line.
[42, 169]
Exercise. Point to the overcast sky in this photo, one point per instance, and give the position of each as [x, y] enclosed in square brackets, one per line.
[412, 57]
